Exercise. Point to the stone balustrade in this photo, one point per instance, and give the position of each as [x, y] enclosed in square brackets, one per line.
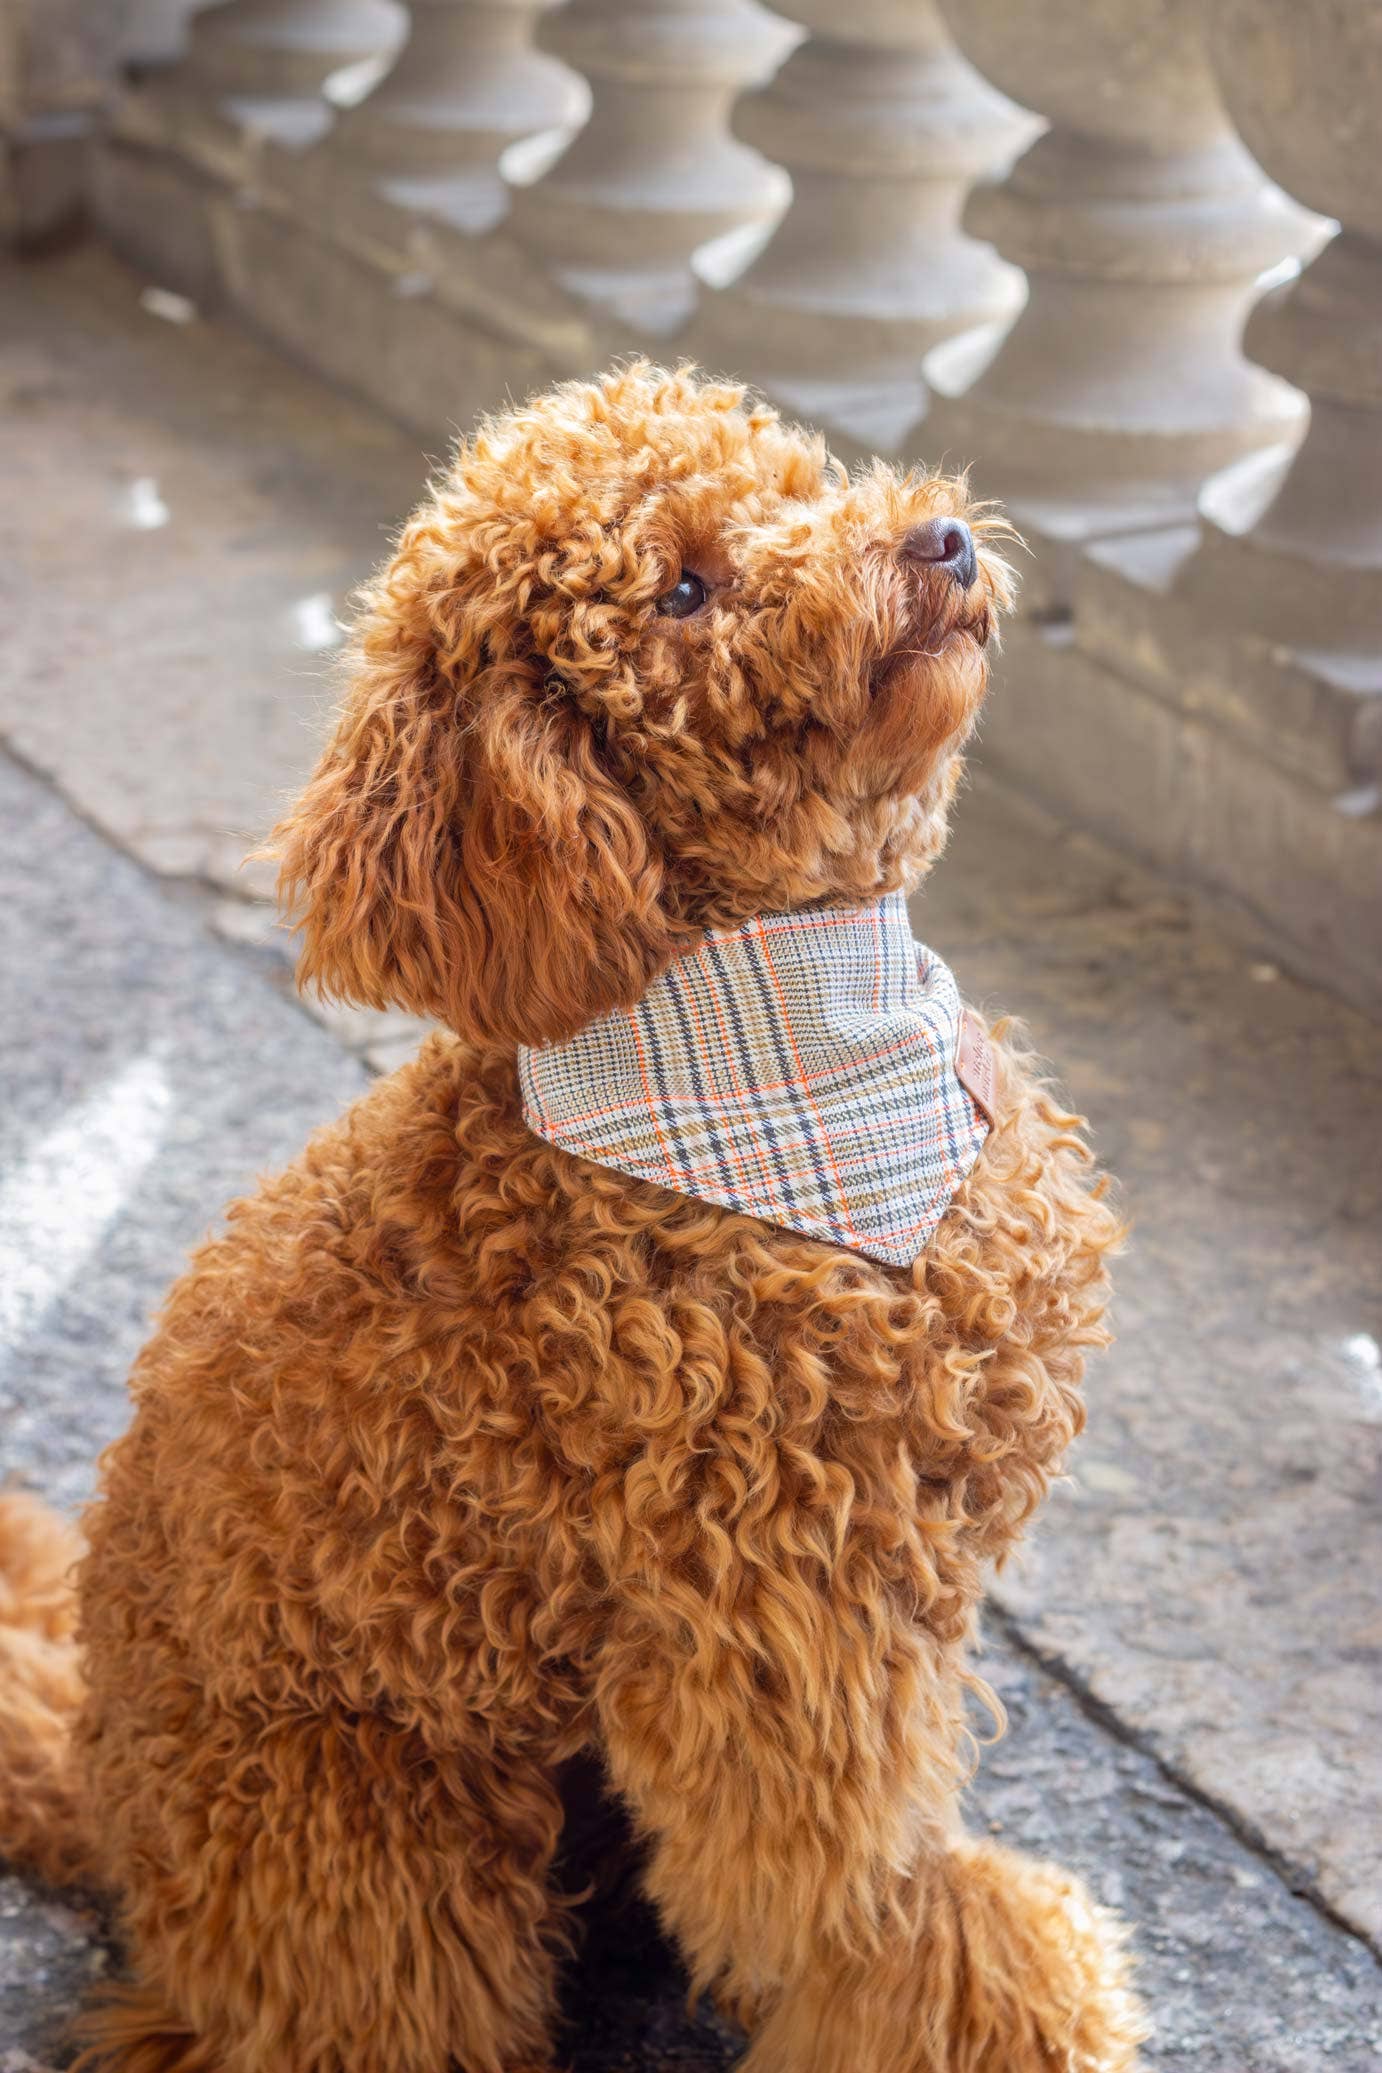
[883, 127]
[275, 53]
[466, 84]
[156, 32]
[1142, 225]
[654, 176]
[1026, 239]
[1292, 551]
[1226, 672]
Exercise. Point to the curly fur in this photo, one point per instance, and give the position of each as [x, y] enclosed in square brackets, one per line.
[456, 1457]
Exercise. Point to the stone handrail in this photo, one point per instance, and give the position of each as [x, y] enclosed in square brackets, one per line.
[1021, 238]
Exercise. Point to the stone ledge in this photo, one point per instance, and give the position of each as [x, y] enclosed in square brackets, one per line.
[157, 212]
[1169, 785]
[389, 333]
[1307, 720]
[43, 179]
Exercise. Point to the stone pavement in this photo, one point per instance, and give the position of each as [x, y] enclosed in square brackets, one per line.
[1190, 1654]
[1214, 1573]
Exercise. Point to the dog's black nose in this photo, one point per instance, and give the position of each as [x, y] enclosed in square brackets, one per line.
[944, 543]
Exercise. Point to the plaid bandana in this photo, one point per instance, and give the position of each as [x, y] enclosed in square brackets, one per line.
[804, 1068]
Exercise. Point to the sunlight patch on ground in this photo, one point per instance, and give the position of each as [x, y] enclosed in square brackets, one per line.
[64, 1192]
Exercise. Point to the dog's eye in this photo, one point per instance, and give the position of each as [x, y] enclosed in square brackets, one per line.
[686, 596]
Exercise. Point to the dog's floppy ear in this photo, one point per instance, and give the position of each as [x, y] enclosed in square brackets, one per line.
[459, 851]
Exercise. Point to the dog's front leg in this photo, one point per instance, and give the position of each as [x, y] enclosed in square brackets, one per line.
[792, 1766]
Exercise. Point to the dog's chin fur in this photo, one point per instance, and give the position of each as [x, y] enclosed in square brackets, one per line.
[455, 1458]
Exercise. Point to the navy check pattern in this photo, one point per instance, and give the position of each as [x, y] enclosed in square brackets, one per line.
[800, 1068]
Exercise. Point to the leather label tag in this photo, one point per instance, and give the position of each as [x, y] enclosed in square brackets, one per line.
[974, 1068]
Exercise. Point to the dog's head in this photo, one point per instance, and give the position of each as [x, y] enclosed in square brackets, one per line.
[646, 662]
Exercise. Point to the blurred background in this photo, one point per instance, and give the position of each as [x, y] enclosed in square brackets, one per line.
[260, 260]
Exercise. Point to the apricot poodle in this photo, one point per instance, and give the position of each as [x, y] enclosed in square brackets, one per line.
[459, 1455]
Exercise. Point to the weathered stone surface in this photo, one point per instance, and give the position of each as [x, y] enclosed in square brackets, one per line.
[1212, 1575]
[159, 215]
[1241, 1976]
[1133, 617]
[53, 1949]
[173, 587]
[148, 1078]
[388, 337]
[347, 223]
[1146, 756]
[174, 581]
[149, 1075]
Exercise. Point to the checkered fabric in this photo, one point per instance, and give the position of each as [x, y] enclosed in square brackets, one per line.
[800, 1068]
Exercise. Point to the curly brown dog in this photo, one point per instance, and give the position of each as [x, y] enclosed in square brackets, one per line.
[457, 1456]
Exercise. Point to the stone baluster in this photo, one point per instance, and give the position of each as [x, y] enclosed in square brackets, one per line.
[467, 84]
[1292, 552]
[256, 77]
[398, 209]
[155, 32]
[655, 175]
[57, 71]
[883, 127]
[265, 62]
[1143, 225]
